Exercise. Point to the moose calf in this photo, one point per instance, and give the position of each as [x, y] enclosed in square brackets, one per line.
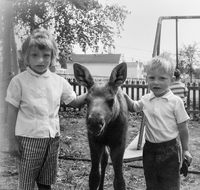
[107, 121]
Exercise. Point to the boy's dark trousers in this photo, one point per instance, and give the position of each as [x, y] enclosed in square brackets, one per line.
[161, 163]
[43, 187]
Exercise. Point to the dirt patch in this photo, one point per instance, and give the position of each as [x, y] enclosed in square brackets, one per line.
[74, 164]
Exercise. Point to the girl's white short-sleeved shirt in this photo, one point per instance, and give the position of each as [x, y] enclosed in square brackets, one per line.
[162, 116]
[38, 99]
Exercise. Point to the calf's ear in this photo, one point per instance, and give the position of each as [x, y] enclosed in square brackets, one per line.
[118, 75]
[83, 76]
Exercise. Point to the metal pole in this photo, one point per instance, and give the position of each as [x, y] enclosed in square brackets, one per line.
[176, 43]
[142, 126]
[156, 48]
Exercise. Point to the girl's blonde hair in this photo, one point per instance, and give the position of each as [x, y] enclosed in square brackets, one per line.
[42, 39]
[163, 62]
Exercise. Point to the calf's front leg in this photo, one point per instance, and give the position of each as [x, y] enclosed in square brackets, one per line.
[117, 161]
[95, 177]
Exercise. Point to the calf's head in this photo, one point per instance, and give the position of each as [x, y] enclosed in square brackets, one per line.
[103, 103]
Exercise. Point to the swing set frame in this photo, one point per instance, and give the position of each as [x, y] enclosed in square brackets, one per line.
[134, 150]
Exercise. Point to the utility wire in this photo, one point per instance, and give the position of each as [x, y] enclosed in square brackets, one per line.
[134, 48]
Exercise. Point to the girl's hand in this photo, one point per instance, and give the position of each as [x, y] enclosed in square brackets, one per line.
[15, 148]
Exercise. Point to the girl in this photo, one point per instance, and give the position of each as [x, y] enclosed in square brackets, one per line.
[33, 98]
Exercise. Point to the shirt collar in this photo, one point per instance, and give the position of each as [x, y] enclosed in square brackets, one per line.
[165, 96]
[46, 74]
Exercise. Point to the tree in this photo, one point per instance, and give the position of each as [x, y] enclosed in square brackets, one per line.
[83, 22]
[7, 60]
[189, 58]
[197, 73]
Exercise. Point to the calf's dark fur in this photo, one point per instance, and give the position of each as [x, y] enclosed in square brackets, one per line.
[107, 121]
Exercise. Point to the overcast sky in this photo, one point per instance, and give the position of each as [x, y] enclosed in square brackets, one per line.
[140, 27]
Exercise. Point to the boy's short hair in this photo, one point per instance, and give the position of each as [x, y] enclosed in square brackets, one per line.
[42, 39]
[163, 62]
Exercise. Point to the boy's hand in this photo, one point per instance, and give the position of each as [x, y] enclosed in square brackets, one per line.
[129, 102]
[186, 155]
[187, 159]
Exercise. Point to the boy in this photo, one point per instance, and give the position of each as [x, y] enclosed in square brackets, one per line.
[166, 118]
[179, 88]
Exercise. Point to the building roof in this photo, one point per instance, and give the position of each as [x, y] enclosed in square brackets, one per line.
[95, 58]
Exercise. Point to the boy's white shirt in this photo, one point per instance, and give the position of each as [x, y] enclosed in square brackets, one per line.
[162, 115]
[38, 99]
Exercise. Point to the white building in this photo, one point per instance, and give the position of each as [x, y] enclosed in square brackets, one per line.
[101, 65]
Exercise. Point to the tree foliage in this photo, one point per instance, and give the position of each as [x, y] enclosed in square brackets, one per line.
[74, 22]
[189, 58]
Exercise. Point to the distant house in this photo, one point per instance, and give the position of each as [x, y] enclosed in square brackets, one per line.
[101, 65]
[135, 70]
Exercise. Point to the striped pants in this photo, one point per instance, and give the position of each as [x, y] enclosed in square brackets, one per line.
[38, 162]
